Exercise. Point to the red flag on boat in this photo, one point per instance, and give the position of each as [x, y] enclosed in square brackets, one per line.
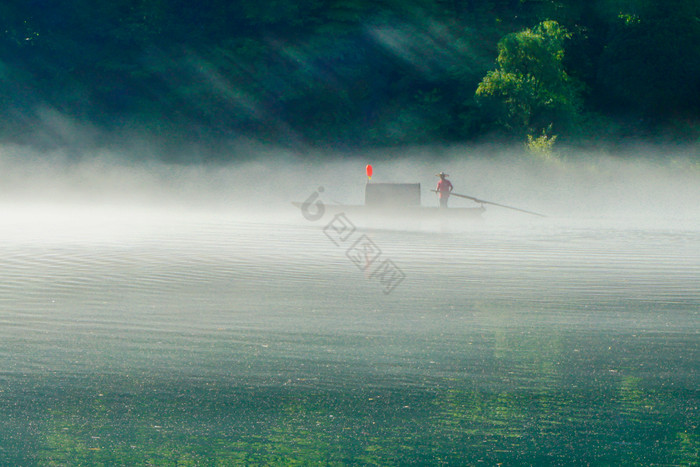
[369, 171]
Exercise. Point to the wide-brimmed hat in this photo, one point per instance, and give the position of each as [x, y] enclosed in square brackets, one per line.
[442, 174]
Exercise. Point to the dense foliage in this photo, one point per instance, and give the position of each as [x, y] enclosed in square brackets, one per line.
[531, 82]
[351, 73]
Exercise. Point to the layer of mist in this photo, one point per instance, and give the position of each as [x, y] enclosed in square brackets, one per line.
[641, 184]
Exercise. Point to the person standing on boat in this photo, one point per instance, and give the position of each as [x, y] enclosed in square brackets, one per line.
[444, 188]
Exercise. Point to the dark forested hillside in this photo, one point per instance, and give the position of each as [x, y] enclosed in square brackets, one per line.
[353, 73]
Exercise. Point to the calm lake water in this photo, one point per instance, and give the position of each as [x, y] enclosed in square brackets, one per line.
[135, 337]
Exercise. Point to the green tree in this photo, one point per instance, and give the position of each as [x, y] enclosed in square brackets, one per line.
[530, 90]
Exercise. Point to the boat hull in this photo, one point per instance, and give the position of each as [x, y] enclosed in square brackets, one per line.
[402, 213]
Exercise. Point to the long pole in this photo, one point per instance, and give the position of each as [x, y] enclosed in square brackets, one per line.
[495, 204]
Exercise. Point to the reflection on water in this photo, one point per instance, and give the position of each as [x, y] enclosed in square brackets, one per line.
[178, 339]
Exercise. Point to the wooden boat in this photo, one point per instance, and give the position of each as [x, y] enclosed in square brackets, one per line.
[388, 201]
[407, 212]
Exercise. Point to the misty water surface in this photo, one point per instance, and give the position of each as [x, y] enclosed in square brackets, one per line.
[177, 315]
[139, 335]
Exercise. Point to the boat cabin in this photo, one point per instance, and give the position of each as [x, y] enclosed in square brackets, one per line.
[392, 195]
